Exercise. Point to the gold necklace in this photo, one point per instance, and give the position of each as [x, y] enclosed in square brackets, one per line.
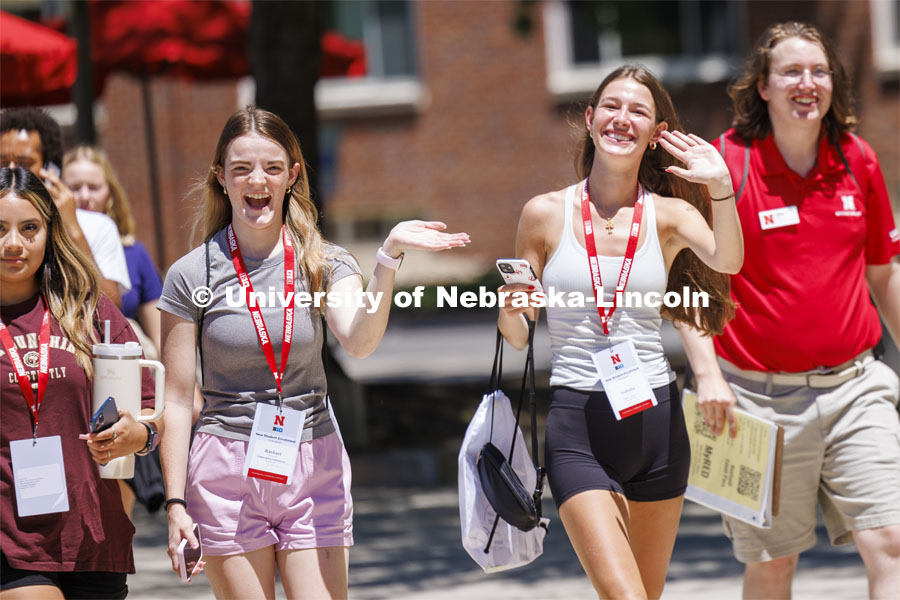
[609, 225]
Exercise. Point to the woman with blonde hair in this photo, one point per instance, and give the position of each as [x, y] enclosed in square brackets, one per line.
[93, 181]
[89, 174]
[267, 479]
[63, 532]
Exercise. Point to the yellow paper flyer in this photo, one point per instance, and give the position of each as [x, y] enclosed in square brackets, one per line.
[733, 476]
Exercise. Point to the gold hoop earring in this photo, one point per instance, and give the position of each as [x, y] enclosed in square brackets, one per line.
[224, 190]
[653, 145]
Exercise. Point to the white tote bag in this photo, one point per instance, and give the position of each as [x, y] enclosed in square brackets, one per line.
[509, 547]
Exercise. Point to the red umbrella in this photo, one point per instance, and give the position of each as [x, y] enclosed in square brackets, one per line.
[342, 57]
[37, 65]
[199, 40]
[185, 38]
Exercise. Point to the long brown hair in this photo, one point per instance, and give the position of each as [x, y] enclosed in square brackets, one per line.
[751, 113]
[68, 279]
[299, 213]
[117, 206]
[687, 269]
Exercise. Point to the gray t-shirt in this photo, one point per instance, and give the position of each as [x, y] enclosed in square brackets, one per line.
[235, 373]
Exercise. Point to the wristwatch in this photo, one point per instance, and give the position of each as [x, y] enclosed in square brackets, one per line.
[152, 439]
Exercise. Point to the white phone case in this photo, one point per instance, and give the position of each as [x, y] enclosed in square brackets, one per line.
[518, 270]
[182, 561]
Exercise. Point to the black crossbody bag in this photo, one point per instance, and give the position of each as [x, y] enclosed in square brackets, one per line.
[501, 486]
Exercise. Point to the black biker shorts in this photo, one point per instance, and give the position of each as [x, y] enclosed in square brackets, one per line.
[645, 457]
[93, 585]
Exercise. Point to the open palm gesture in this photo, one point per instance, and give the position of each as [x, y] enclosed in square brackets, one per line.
[703, 163]
[423, 235]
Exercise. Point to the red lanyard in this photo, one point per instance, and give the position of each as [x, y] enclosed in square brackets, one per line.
[261, 332]
[19, 367]
[633, 236]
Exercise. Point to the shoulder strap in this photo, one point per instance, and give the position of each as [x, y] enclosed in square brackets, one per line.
[528, 378]
[202, 316]
[844, 160]
[740, 190]
[325, 355]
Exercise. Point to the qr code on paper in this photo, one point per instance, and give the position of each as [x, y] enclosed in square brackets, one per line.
[748, 482]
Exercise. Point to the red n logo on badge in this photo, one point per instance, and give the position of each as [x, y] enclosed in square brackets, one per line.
[769, 219]
[279, 420]
[616, 361]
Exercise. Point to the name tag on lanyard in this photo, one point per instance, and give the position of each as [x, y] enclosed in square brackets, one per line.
[623, 380]
[40, 476]
[274, 443]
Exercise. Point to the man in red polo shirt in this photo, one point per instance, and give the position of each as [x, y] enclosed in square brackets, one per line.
[819, 236]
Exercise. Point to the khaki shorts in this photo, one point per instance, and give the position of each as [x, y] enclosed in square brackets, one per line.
[841, 448]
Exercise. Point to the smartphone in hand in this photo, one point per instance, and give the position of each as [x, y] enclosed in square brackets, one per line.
[105, 416]
[518, 270]
[188, 557]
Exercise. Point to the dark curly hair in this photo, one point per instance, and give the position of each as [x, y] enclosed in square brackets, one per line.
[30, 118]
[751, 114]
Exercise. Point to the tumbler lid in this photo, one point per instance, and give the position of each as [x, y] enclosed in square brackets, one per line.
[120, 351]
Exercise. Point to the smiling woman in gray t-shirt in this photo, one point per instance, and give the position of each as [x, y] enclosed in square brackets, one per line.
[234, 379]
[259, 504]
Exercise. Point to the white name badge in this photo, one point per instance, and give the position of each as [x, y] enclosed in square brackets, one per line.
[40, 476]
[779, 217]
[623, 380]
[274, 443]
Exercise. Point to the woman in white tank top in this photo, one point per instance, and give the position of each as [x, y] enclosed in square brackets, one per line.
[618, 465]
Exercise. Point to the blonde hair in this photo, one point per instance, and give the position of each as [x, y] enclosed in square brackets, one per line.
[687, 269]
[68, 279]
[299, 212]
[117, 206]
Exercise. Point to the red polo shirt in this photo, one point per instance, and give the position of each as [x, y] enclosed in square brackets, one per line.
[802, 296]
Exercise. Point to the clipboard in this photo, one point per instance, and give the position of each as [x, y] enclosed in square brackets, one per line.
[740, 477]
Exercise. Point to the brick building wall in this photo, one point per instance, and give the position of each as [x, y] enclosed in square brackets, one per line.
[488, 138]
[487, 141]
[187, 119]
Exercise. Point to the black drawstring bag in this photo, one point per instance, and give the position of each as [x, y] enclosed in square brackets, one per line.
[500, 484]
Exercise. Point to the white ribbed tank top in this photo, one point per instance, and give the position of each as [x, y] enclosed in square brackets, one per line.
[575, 333]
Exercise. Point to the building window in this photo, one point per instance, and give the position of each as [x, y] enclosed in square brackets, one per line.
[384, 29]
[691, 40]
[886, 36]
[390, 84]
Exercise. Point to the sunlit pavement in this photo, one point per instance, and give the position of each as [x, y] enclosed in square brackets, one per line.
[408, 546]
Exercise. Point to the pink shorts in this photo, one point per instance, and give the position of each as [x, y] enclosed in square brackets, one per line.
[239, 514]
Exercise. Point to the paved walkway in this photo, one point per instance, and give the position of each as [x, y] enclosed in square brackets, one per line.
[408, 547]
